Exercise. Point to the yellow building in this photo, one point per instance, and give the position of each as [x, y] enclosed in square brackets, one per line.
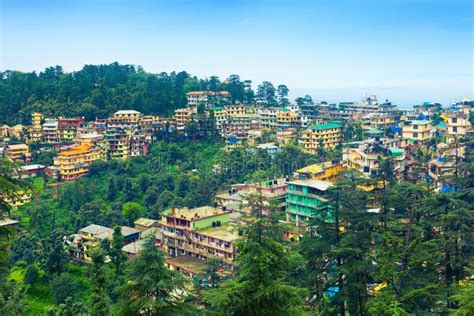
[220, 118]
[18, 152]
[183, 116]
[326, 171]
[20, 198]
[285, 119]
[417, 130]
[75, 162]
[233, 110]
[126, 119]
[325, 135]
[457, 124]
[36, 133]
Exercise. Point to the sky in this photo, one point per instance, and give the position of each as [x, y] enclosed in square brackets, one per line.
[407, 51]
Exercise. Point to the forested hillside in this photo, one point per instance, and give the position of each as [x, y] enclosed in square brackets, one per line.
[99, 90]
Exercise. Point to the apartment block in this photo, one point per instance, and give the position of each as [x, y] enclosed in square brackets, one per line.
[326, 135]
[457, 125]
[124, 119]
[306, 200]
[18, 152]
[75, 162]
[199, 233]
[195, 98]
[417, 130]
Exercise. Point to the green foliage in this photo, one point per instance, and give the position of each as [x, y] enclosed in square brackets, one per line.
[31, 275]
[150, 286]
[131, 211]
[64, 286]
[116, 254]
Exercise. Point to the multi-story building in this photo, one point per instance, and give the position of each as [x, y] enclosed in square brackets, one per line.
[326, 171]
[272, 192]
[457, 124]
[233, 110]
[267, 117]
[19, 198]
[417, 130]
[323, 135]
[285, 118]
[240, 124]
[367, 156]
[138, 145]
[50, 131]
[206, 97]
[68, 129]
[36, 132]
[18, 152]
[124, 119]
[118, 144]
[286, 135]
[220, 119]
[80, 246]
[75, 162]
[378, 122]
[183, 117]
[200, 233]
[306, 200]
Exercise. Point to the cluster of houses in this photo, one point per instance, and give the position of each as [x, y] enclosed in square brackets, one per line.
[189, 237]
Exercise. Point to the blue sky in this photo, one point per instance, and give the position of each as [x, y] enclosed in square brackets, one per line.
[407, 51]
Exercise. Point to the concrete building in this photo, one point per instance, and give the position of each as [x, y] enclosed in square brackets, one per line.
[200, 233]
[326, 135]
[18, 152]
[75, 162]
[306, 200]
[124, 119]
[195, 98]
[457, 125]
[36, 132]
[417, 130]
[326, 171]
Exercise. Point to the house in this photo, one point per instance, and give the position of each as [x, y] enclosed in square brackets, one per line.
[195, 98]
[200, 233]
[417, 130]
[18, 152]
[306, 200]
[30, 171]
[124, 119]
[143, 224]
[75, 162]
[326, 171]
[457, 125]
[327, 136]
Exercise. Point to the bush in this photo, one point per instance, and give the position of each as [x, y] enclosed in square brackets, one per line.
[63, 287]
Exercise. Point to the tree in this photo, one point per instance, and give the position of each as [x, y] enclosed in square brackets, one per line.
[132, 211]
[64, 286]
[283, 95]
[116, 254]
[266, 93]
[128, 192]
[150, 288]
[260, 285]
[99, 301]
[236, 88]
[112, 190]
[56, 257]
[31, 275]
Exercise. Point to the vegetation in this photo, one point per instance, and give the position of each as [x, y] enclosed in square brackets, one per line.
[410, 254]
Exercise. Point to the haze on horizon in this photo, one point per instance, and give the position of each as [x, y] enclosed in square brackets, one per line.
[406, 51]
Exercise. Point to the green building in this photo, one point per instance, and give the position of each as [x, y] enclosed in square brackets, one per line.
[306, 199]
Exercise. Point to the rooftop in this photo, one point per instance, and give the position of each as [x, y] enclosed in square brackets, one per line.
[76, 150]
[188, 263]
[326, 126]
[99, 231]
[18, 146]
[147, 222]
[316, 184]
[127, 231]
[226, 232]
[126, 112]
[194, 213]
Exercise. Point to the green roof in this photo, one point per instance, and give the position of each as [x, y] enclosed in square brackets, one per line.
[442, 125]
[218, 108]
[396, 152]
[375, 131]
[326, 126]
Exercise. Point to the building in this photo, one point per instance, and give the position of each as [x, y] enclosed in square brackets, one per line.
[270, 148]
[267, 117]
[457, 124]
[50, 131]
[18, 152]
[118, 144]
[75, 162]
[327, 136]
[285, 118]
[200, 233]
[240, 124]
[143, 224]
[326, 171]
[36, 132]
[124, 119]
[30, 171]
[306, 200]
[236, 198]
[19, 198]
[68, 129]
[138, 145]
[183, 117]
[80, 246]
[220, 119]
[367, 156]
[195, 98]
[286, 135]
[417, 130]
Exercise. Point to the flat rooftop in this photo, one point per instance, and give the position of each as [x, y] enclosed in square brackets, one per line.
[316, 184]
[188, 263]
[225, 232]
[194, 213]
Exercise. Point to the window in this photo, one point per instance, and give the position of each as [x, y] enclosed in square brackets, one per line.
[415, 135]
[454, 120]
[415, 126]
[455, 129]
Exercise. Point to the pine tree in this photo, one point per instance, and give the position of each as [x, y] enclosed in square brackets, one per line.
[117, 256]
